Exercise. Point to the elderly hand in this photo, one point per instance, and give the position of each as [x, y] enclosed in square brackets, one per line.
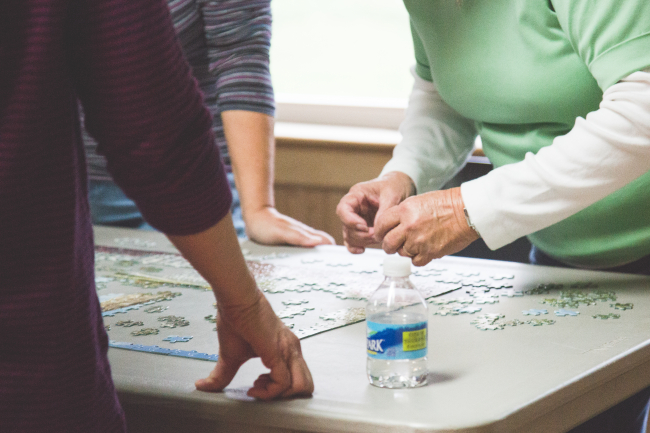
[426, 227]
[270, 227]
[249, 332]
[361, 208]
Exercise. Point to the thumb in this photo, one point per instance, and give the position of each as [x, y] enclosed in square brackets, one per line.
[219, 377]
[387, 222]
[386, 201]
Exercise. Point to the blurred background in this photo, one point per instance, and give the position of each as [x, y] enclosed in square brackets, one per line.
[359, 48]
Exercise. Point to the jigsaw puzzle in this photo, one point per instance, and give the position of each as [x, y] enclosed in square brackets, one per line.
[146, 294]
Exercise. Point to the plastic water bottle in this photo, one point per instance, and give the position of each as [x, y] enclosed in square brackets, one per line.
[397, 325]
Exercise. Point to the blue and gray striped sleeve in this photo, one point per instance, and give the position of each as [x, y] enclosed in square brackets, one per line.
[238, 34]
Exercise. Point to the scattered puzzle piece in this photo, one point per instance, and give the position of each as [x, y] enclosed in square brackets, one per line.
[293, 311]
[474, 282]
[128, 323]
[488, 327]
[145, 331]
[514, 322]
[488, 322]
[477, 292]
[295, 302]
[446, 311]
[349, 315]
[266, 288]
[562, 312]
[178, 339]
[541, 289]
[535, 322]
[172, 321]
[449, 280]
[534, 312]
[502, 277]
[606, 316]
[423, 274]
[301, 288]
[623, 307]
[468, 310]
[119, 310]
[487, 300]
[447, 301]
[489, 317]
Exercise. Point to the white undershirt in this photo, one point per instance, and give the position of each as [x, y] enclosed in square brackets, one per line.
[601, 154]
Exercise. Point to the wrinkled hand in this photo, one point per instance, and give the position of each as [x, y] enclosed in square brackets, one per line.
[361, 208]
[246, 333]
[270, 227]
[426, 227]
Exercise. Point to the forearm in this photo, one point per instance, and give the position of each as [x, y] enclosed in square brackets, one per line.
[600, 155]
[216, 255]
[436, 140]
[247, 327]
[252, 148]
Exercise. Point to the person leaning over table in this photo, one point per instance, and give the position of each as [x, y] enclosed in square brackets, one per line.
[559, 92]
[121, 60]
[227, 46]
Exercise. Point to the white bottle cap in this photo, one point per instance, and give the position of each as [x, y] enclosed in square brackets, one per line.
[397, 266]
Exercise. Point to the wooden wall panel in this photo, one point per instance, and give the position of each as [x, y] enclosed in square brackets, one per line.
[312, 176]
[313, 206]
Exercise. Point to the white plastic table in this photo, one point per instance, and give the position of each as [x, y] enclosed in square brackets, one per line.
[520, 379]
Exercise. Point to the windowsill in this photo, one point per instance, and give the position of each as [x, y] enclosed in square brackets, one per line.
[317, 135]
[310, 134]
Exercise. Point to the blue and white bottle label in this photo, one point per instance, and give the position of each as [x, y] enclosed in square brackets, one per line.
[394, 342]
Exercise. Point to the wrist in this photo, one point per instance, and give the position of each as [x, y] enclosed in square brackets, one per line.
[250, 212]
[462, 216]
[403, 180]
[469, 222]
[246, 300]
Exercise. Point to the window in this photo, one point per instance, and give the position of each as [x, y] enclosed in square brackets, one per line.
[341, 62]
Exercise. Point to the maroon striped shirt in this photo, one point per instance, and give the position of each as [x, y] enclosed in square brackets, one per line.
[121, 59]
